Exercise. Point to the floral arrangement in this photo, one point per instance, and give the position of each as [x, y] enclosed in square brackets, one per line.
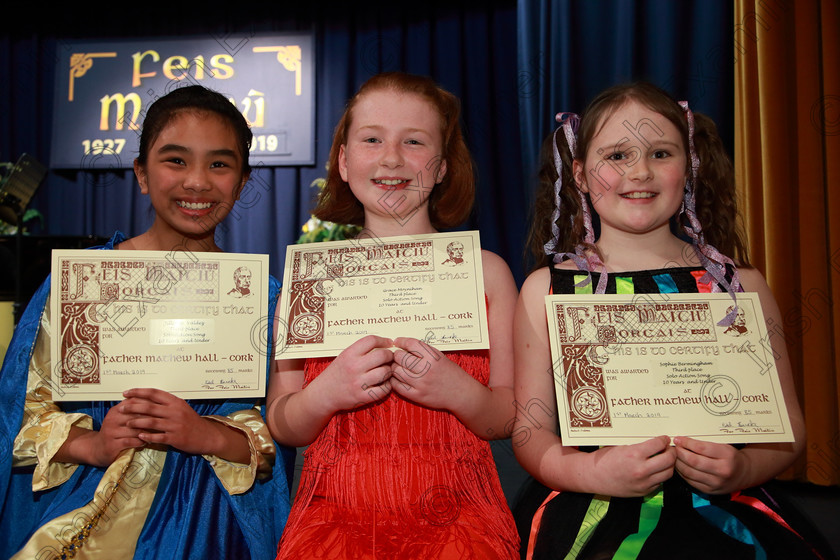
[316, 230]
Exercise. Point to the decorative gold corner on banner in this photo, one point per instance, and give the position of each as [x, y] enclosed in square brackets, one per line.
[80, 63]
[289, 56]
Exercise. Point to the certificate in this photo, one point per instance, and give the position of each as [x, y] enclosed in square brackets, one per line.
[429, 287]
[631, 367]
[188, 323]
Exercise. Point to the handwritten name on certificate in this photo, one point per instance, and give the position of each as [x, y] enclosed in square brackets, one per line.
[187, 323]
[429, 287]
[631, 367]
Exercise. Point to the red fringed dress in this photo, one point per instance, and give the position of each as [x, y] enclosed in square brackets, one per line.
[398, 480]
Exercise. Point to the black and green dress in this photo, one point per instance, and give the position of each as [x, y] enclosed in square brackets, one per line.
[677, 521]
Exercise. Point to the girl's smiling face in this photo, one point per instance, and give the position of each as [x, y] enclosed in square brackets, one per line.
[193, 174]
[634, 170]
[392, 158]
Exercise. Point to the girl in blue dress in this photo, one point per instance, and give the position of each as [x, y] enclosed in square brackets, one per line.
[153, 475]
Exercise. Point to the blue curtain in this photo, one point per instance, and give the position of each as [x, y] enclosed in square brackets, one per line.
[469, 49]
[514, 65]
[571, 50]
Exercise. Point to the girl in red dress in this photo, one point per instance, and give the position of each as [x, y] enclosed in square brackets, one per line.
[398, 464]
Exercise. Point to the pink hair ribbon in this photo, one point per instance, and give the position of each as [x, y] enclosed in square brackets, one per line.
[712, 260]
[569, 123]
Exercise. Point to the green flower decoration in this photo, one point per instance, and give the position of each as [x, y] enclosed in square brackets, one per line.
[316, 230]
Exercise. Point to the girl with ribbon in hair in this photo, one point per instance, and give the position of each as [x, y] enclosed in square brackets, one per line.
[661, 185]
[397, 463]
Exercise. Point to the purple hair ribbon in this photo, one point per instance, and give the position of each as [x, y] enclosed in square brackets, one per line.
[569, 123]
[712, 260]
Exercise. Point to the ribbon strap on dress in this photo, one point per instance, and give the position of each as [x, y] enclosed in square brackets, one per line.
[651, 510]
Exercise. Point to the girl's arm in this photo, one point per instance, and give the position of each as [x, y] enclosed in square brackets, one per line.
[99, 447]
[283, 418]
[153, 416]
[55, 441]
[627, 470]
[426, 376]
[720, 469]
[162, 418]
[157, 417]
[358, 376]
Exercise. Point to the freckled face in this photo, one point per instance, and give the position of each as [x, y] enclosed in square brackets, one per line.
[394, 143]
[193, 174]
[634, 170]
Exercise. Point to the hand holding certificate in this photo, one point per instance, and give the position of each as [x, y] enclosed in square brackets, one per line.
[181, 322]
[631, 367]
[429, 287]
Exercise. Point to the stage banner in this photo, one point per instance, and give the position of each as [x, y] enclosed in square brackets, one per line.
[104, 88]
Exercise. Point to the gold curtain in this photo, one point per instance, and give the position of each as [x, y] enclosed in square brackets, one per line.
[787, 158]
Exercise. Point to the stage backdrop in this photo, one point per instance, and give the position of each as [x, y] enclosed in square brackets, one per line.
[513, 66]
[471, 51]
